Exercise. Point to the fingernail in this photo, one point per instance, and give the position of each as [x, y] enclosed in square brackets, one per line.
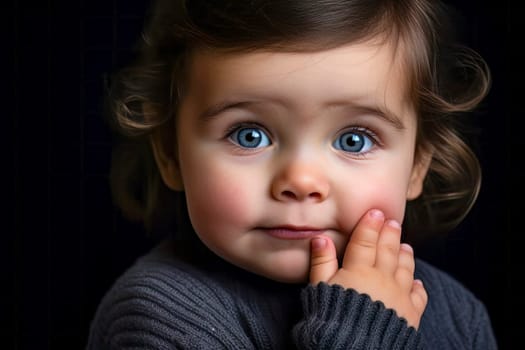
[318, 243]
[407, 247]
[375, 213]
[394, 224]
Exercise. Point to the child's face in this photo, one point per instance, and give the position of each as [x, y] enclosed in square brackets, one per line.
[275, 148]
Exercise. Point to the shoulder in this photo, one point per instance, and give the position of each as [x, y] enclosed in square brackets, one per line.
[161, 301]
[443, 287]
[454, 314]
[162, 278]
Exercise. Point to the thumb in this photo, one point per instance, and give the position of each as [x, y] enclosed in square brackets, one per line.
[323, 259]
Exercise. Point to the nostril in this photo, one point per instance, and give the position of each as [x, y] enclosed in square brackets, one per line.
[294, 196]
[315, 195]
[289, 194]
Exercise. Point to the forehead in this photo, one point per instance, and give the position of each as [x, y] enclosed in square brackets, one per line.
[364, 74]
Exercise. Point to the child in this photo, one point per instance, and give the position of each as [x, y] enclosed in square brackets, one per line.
[280, 145]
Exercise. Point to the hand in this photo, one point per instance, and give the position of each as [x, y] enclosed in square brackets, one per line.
[374, 263]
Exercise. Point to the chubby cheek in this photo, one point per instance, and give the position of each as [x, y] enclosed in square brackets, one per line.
[219, 203]
[377, 192]
[391, 201]
[387, 191]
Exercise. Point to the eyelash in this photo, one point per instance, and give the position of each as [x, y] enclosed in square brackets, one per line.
[235, 127]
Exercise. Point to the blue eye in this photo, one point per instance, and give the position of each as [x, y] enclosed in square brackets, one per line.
[252, 137]
[354, 142]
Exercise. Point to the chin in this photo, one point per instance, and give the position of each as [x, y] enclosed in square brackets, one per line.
[288, 266]
[286, 275]
[290, 279]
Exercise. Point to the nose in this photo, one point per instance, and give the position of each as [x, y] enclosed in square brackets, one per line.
[301, 181]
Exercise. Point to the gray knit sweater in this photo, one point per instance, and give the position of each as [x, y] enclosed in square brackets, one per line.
[162, 302]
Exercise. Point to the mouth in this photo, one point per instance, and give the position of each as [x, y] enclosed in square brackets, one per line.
[292, 232]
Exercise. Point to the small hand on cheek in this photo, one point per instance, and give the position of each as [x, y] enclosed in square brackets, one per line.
[376, 263]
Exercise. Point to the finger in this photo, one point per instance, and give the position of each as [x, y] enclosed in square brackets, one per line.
[388, 246]
[323, 261]
[419, 296]
[361, 248]
[405, 265]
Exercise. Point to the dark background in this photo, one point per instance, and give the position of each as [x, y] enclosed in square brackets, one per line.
[64, 242]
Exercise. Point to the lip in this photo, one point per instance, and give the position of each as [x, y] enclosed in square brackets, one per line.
[292, 232]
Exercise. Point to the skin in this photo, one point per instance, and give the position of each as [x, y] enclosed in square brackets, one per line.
[270, 183]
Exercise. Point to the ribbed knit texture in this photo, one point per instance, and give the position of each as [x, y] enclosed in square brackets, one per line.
[331, 310]
[163, 303]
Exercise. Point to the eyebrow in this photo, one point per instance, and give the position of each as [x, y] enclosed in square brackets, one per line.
[220, 107]
[383, 113]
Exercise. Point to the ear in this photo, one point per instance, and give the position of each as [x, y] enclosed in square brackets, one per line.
[419, 172]
[167, 163]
